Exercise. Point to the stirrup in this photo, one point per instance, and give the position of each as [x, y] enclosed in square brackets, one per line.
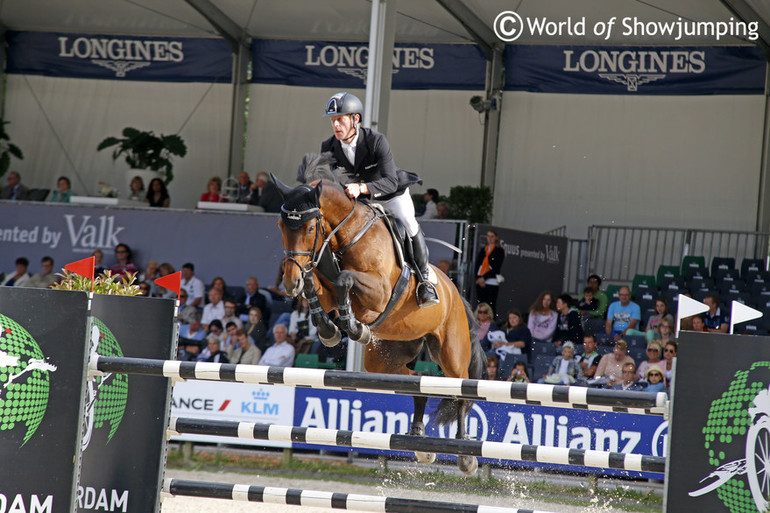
[427, 295]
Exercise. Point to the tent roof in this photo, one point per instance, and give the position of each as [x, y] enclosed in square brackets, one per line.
[344, 20]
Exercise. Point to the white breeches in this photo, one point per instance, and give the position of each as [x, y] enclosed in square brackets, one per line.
[402, 207]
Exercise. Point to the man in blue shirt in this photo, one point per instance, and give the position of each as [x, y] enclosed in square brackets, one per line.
[715, 319]
[623, 315]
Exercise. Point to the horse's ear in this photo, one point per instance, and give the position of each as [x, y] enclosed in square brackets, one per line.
[285, 189]
[318, 190]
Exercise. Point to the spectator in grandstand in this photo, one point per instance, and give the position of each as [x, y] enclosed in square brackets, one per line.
[144, 288]
[214, 309]
[213, 191]
[219, 283]
[610, 369]
[629, 379]
[281, 354]
[184, 311]
[216, 328]
[517, 334]
[661, 313]
[213, 352]
[654, 356]
[63, 192]
[669, 355]
[698, 324]
[594, 281]
[255, 328]
[15, 190]
[230, 314]
[488, 265]
[192, 330]
[194, 286]
[149, 273]
[563, 369]
[245, 352]
[715, 319]
[431, 199]
[302, 331]
[655, 379]
[125, 261]
[485, 317]
[265, 194]
[493, 365]
[244, 187]
[20, 276]
[542, 318]
[277, 292]
[98, 257]
[588, 361]
[228, 338]
[442, 210]
[568, 325]
[157, 194]
[588, 304]
[45, 278]
[254, 297]
[519, 373]
[136, 189]
[665, 332]
[623, 315]
[165, 269]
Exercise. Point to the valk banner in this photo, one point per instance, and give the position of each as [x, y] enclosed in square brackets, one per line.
[343, 65]
[43, 351]
[720, 427]
[533, 262]
[119, 57]
[124, 442]
[653, 70]
[493, 422]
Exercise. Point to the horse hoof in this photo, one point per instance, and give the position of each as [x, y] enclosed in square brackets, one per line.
[425, 457]
[366, 335]
[333, 341]
[467, 464]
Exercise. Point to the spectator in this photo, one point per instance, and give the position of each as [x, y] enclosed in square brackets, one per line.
[192, 285]
[255, 328]
[485, 317]
[442, 210]
[265, 194]
[244, 187]
[431, 199]
[629, 382]
[568, 326]
[715, 319]
[563, 369]
[661, 312]
[281, 354]
[216, 328]
[654, 355]
[230, 314]
[493, 365]
[517, 334]
[229, 342]
[192, 330]
[165, 269]
[594, 281]
[45, 278]
[488, 265]
[588, 304]
[19, 277]
[277, 291]
[15, 190]
[623, 315]
[157, 194]
[219, 283]
[698, 324]
[136, 189]
[213, 191]
[215, 353]
[669, 355]
[519, 373]
[214, 309]
[184, 311]
[125, 264]
[150, 272]
[655, 379]
[189, 350]
[665, 332]
[63, 193]
[255, 298]
[98, 258]
[245, 352]
[589, 360]
[144, 289]
[610, 369]
[542, 319]
[301, 330]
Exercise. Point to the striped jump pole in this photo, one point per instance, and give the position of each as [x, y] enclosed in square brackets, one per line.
[560, 396]
[390, 442]
[319, 499]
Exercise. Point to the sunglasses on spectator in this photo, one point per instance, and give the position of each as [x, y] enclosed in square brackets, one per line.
[653, 349]
[669, 351]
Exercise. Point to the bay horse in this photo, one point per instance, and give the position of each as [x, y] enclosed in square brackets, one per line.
[341, 255]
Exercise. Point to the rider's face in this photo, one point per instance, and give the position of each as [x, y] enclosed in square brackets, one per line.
[344, 128]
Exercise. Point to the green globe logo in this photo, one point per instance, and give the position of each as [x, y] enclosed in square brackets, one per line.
[737, 438]
[24, 380]
[106, 394]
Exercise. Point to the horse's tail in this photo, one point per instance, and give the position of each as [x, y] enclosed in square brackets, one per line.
[448, 410]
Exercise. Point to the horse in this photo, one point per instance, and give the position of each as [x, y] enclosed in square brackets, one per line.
[340, 254]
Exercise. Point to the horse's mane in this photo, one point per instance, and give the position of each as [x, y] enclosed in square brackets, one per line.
[316, 166]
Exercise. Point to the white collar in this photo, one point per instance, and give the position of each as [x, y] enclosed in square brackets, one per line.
[352, 144]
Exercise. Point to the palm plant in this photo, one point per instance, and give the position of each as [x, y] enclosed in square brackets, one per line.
[145, 150]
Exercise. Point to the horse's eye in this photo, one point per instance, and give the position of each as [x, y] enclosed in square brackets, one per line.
[311, 228]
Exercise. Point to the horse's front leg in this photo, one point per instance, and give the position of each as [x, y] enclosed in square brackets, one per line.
[418, 428]
[328, 332]
[356, 330]
[467, 464]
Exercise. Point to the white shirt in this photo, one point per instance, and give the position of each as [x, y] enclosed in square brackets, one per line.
[211, 312]
[20, 281]
[350, 149]
[431, 211]
[194, 289]
[278, 355]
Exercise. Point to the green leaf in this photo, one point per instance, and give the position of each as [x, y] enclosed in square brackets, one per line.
[106, 143]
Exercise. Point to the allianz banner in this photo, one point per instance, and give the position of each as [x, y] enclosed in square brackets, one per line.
[659, 70]
[343, 65]
[111, 57]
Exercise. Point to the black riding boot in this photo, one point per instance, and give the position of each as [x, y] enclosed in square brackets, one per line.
[426, 292]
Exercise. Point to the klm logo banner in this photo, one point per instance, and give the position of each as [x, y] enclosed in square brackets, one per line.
[674, 70]
[343, 65]
[117, 57]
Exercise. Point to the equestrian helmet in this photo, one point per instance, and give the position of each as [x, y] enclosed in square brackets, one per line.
[344, 103]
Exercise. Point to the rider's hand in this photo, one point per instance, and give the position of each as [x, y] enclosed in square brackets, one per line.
[354, 190]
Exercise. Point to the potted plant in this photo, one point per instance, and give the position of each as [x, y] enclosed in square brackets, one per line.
[7, 149]
[143, 150]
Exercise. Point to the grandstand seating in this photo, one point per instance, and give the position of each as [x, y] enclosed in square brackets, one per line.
[722, 263]
[691, 261]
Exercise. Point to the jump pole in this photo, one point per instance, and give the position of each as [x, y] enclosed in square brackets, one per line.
[640, 403]
[319, 499]
[390, 442]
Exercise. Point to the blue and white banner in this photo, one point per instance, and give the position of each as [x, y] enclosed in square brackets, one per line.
[343, 65]
[111, 57]
[659, 70]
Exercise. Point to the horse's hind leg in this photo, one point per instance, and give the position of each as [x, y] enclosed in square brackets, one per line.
[328, 332]
[418, 428]
[357, 331]
[467, 464]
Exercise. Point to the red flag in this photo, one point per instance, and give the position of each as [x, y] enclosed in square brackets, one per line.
[171, 282]
[83, 267]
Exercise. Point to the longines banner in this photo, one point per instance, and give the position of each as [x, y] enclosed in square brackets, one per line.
[157, 59]
[43, 350]
[720, 427]
[126, 416]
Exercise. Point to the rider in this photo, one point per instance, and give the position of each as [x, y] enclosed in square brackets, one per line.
[365, 154]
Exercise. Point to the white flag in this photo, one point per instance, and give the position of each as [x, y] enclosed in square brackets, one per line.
[688, 306]
[742, 313]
